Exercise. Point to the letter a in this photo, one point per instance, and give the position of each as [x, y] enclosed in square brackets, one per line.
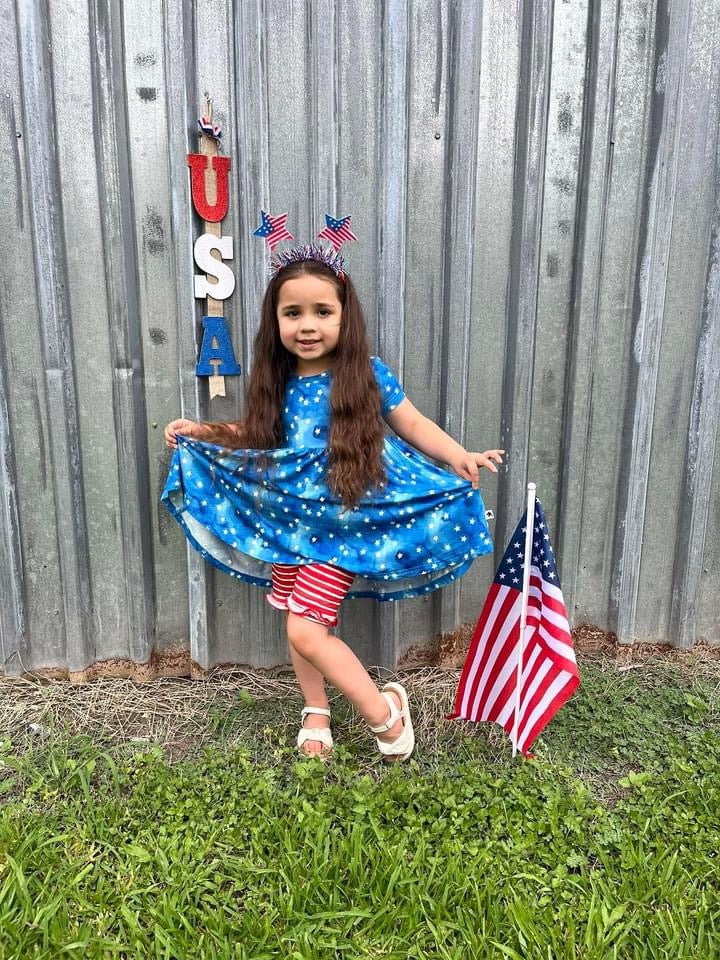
[215, 329]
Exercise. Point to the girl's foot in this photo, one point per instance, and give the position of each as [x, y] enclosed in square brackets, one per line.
[315, 746]
[394, 732]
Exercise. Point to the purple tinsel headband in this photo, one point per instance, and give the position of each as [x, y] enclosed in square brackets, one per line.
[337, 231]
[309, 251]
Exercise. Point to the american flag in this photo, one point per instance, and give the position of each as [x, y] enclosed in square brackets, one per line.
[273, 229]
[488, 683]
[337, 231]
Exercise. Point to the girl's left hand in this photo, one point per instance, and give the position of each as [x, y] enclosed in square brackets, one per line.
[467, 465]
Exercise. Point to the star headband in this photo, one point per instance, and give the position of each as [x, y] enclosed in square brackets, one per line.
[273, 230]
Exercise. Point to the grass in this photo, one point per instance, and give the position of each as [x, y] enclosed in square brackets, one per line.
[217, 841]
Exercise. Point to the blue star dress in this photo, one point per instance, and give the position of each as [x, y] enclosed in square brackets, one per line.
[419, 532]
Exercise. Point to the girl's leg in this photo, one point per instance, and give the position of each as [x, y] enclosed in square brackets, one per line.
[318, 591]
[312, 684]
[335, 660]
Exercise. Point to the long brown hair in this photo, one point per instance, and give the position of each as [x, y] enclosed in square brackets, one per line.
[356, 431]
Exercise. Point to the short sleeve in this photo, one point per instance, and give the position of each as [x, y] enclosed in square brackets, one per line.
[391, 393]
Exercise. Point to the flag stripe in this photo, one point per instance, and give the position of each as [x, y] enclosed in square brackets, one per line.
[507, 717]
[505, 705]
[546, 595]
[556, 631]
[553, 698]
[504, 659]
[503, 675]
[477, 644]
[535, 704]
[563, 652]
[499, 602]
[501, 629]
[550, 709]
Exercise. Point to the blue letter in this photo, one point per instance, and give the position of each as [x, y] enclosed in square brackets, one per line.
[215, 328]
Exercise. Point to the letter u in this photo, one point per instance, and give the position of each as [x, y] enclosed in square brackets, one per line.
[198, 165]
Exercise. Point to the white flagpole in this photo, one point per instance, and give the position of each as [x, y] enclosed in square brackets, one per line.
[529, 525]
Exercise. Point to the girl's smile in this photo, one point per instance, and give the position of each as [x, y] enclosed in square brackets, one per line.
[308, 314]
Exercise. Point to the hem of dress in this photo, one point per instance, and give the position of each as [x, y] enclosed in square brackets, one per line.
[457, 570]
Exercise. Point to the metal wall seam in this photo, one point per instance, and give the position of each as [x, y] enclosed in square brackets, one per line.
[50, 264]
[120, 264]
[649, 303]
[703, 421]
[323, 139]
[589, 244]
[211, 54]
[521, 312]
[464, 57]
[178, 53]
[253, 161]
[13, 620]
[393, 146]
[253, 133]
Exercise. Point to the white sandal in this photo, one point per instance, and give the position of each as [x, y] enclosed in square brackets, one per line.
[315, 733]
[402, 747]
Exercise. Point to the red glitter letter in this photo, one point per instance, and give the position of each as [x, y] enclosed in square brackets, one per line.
[198, 165]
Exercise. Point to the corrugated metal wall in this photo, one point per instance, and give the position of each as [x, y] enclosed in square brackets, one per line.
[536, 189]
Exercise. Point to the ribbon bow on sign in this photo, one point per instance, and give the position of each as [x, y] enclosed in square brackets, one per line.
[205, 125]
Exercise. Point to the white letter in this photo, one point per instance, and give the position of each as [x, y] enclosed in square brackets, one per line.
[213, 267]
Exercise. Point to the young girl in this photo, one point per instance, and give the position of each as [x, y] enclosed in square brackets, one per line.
[343, 511]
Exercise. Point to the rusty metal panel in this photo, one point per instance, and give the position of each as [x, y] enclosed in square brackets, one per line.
[536, 192]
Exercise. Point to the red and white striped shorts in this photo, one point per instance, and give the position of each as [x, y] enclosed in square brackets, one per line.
[310, 590]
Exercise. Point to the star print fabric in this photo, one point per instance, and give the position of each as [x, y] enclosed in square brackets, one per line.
[418, 533]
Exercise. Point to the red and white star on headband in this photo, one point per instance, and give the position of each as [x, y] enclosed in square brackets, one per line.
[337, 231]
[273, 229]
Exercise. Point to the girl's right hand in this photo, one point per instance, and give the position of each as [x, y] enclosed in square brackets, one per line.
[185, 427]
